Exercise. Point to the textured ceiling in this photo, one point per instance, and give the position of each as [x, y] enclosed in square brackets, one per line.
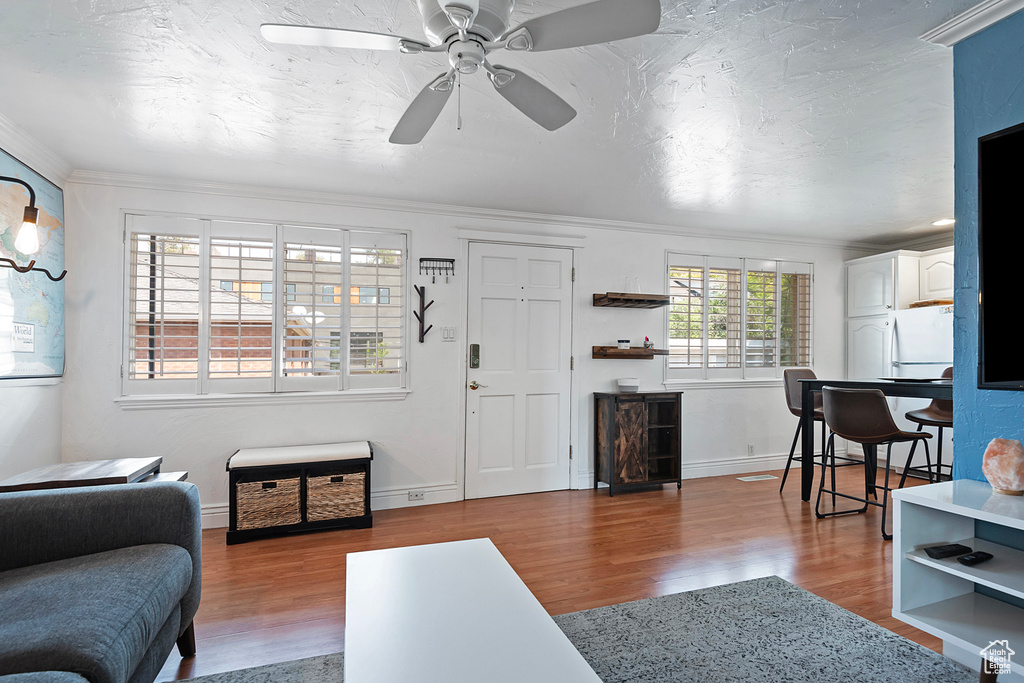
[813, 118]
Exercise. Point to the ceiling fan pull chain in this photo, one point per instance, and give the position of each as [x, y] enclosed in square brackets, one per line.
[459, 122]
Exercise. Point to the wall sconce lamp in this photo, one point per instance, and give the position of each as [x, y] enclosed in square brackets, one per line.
[27, 241]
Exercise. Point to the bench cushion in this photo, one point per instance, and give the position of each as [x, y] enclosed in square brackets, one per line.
[289, 455]
[94, 615]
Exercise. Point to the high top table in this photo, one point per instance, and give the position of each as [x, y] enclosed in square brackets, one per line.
[941, 389]
[450, 613]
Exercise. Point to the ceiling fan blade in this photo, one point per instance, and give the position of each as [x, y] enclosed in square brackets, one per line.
[320, 36]
[530, 97]
[423, 111]
[597, 22]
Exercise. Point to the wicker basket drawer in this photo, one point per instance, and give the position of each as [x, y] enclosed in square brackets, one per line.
[268, 502]
[335, 495]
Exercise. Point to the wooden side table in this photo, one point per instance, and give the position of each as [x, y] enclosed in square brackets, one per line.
[637, 439]
[91, 473]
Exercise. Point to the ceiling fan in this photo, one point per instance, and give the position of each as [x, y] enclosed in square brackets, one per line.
[467, 31]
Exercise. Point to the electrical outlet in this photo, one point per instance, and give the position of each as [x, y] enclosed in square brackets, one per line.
[415, 495]
[750, 449]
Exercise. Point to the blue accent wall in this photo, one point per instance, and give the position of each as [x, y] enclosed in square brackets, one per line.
[988, 91]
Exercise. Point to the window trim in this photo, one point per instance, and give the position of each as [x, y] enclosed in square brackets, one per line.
[744, 375]
[167, 393]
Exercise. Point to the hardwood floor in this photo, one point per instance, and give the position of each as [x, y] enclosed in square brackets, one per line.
[283, 599]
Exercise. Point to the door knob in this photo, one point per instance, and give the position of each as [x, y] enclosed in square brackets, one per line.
[474, 385]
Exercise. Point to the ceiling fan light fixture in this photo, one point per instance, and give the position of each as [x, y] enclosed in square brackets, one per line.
[466, 56]
[519, 40]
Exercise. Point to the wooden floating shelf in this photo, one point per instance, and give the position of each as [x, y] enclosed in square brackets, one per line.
[626, 300]
[638, 352]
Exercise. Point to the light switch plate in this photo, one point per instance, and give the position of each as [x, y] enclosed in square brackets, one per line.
[447, 334]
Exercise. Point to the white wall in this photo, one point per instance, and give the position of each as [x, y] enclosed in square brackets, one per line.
[30, 432]
[417, 440]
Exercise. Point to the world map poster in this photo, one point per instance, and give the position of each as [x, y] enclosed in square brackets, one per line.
[31, 305]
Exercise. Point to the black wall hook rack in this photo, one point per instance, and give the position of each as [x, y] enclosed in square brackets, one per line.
[31, 267]
[422, 313]
[437, 266]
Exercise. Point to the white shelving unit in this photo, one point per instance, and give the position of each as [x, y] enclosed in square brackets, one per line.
[939, 596]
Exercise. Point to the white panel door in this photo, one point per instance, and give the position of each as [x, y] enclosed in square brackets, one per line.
[517, 404]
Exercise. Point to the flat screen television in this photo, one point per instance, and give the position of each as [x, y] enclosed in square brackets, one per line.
[1000, 254]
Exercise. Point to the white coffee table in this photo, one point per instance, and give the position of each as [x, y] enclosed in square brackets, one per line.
[450, 613]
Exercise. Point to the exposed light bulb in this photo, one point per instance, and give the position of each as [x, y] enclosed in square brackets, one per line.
[27, 241]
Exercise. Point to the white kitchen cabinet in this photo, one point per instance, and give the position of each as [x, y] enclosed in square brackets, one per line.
[869, 346]
[936, 274]
[878, 285]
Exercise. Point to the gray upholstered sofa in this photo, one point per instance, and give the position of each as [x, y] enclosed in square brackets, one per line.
[97, 583]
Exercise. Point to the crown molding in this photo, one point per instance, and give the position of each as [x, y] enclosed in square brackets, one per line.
[974, 20]
[26, 149]
[552, 224]
[945, 239]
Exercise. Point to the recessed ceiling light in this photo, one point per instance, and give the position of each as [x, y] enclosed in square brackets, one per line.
[943, 222]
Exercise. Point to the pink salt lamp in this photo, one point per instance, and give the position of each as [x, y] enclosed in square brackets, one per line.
[1004, 466]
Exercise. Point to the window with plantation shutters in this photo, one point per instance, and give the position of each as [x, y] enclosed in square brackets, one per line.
[163, 304]
[725, 316]
[737, 318]
[217, 307]
[375, 309]
[313, 313]
[795, 315]
[761, 324]
[241, 320]
[686, 316]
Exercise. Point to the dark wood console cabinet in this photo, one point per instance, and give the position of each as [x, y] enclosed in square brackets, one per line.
[637, 439]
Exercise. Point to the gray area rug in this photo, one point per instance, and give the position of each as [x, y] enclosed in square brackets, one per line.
[760, 630]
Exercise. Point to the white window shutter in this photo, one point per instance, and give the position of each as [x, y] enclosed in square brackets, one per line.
[163, 305]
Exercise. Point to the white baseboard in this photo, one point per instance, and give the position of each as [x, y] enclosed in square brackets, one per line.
[399, 498]
[217, 515]
[698, 469]
[743, 465]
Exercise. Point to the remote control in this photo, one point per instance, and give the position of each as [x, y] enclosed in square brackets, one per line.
[937, 552]
[974, 558]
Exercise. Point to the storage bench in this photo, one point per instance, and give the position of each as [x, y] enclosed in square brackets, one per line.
[291, 489]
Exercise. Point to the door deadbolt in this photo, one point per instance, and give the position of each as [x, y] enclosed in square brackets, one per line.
[474, 356]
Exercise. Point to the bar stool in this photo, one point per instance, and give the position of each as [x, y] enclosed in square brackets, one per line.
[791, 383]
[939, 413]
[862, 416]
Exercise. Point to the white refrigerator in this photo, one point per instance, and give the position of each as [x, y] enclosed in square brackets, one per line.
[922, 347]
